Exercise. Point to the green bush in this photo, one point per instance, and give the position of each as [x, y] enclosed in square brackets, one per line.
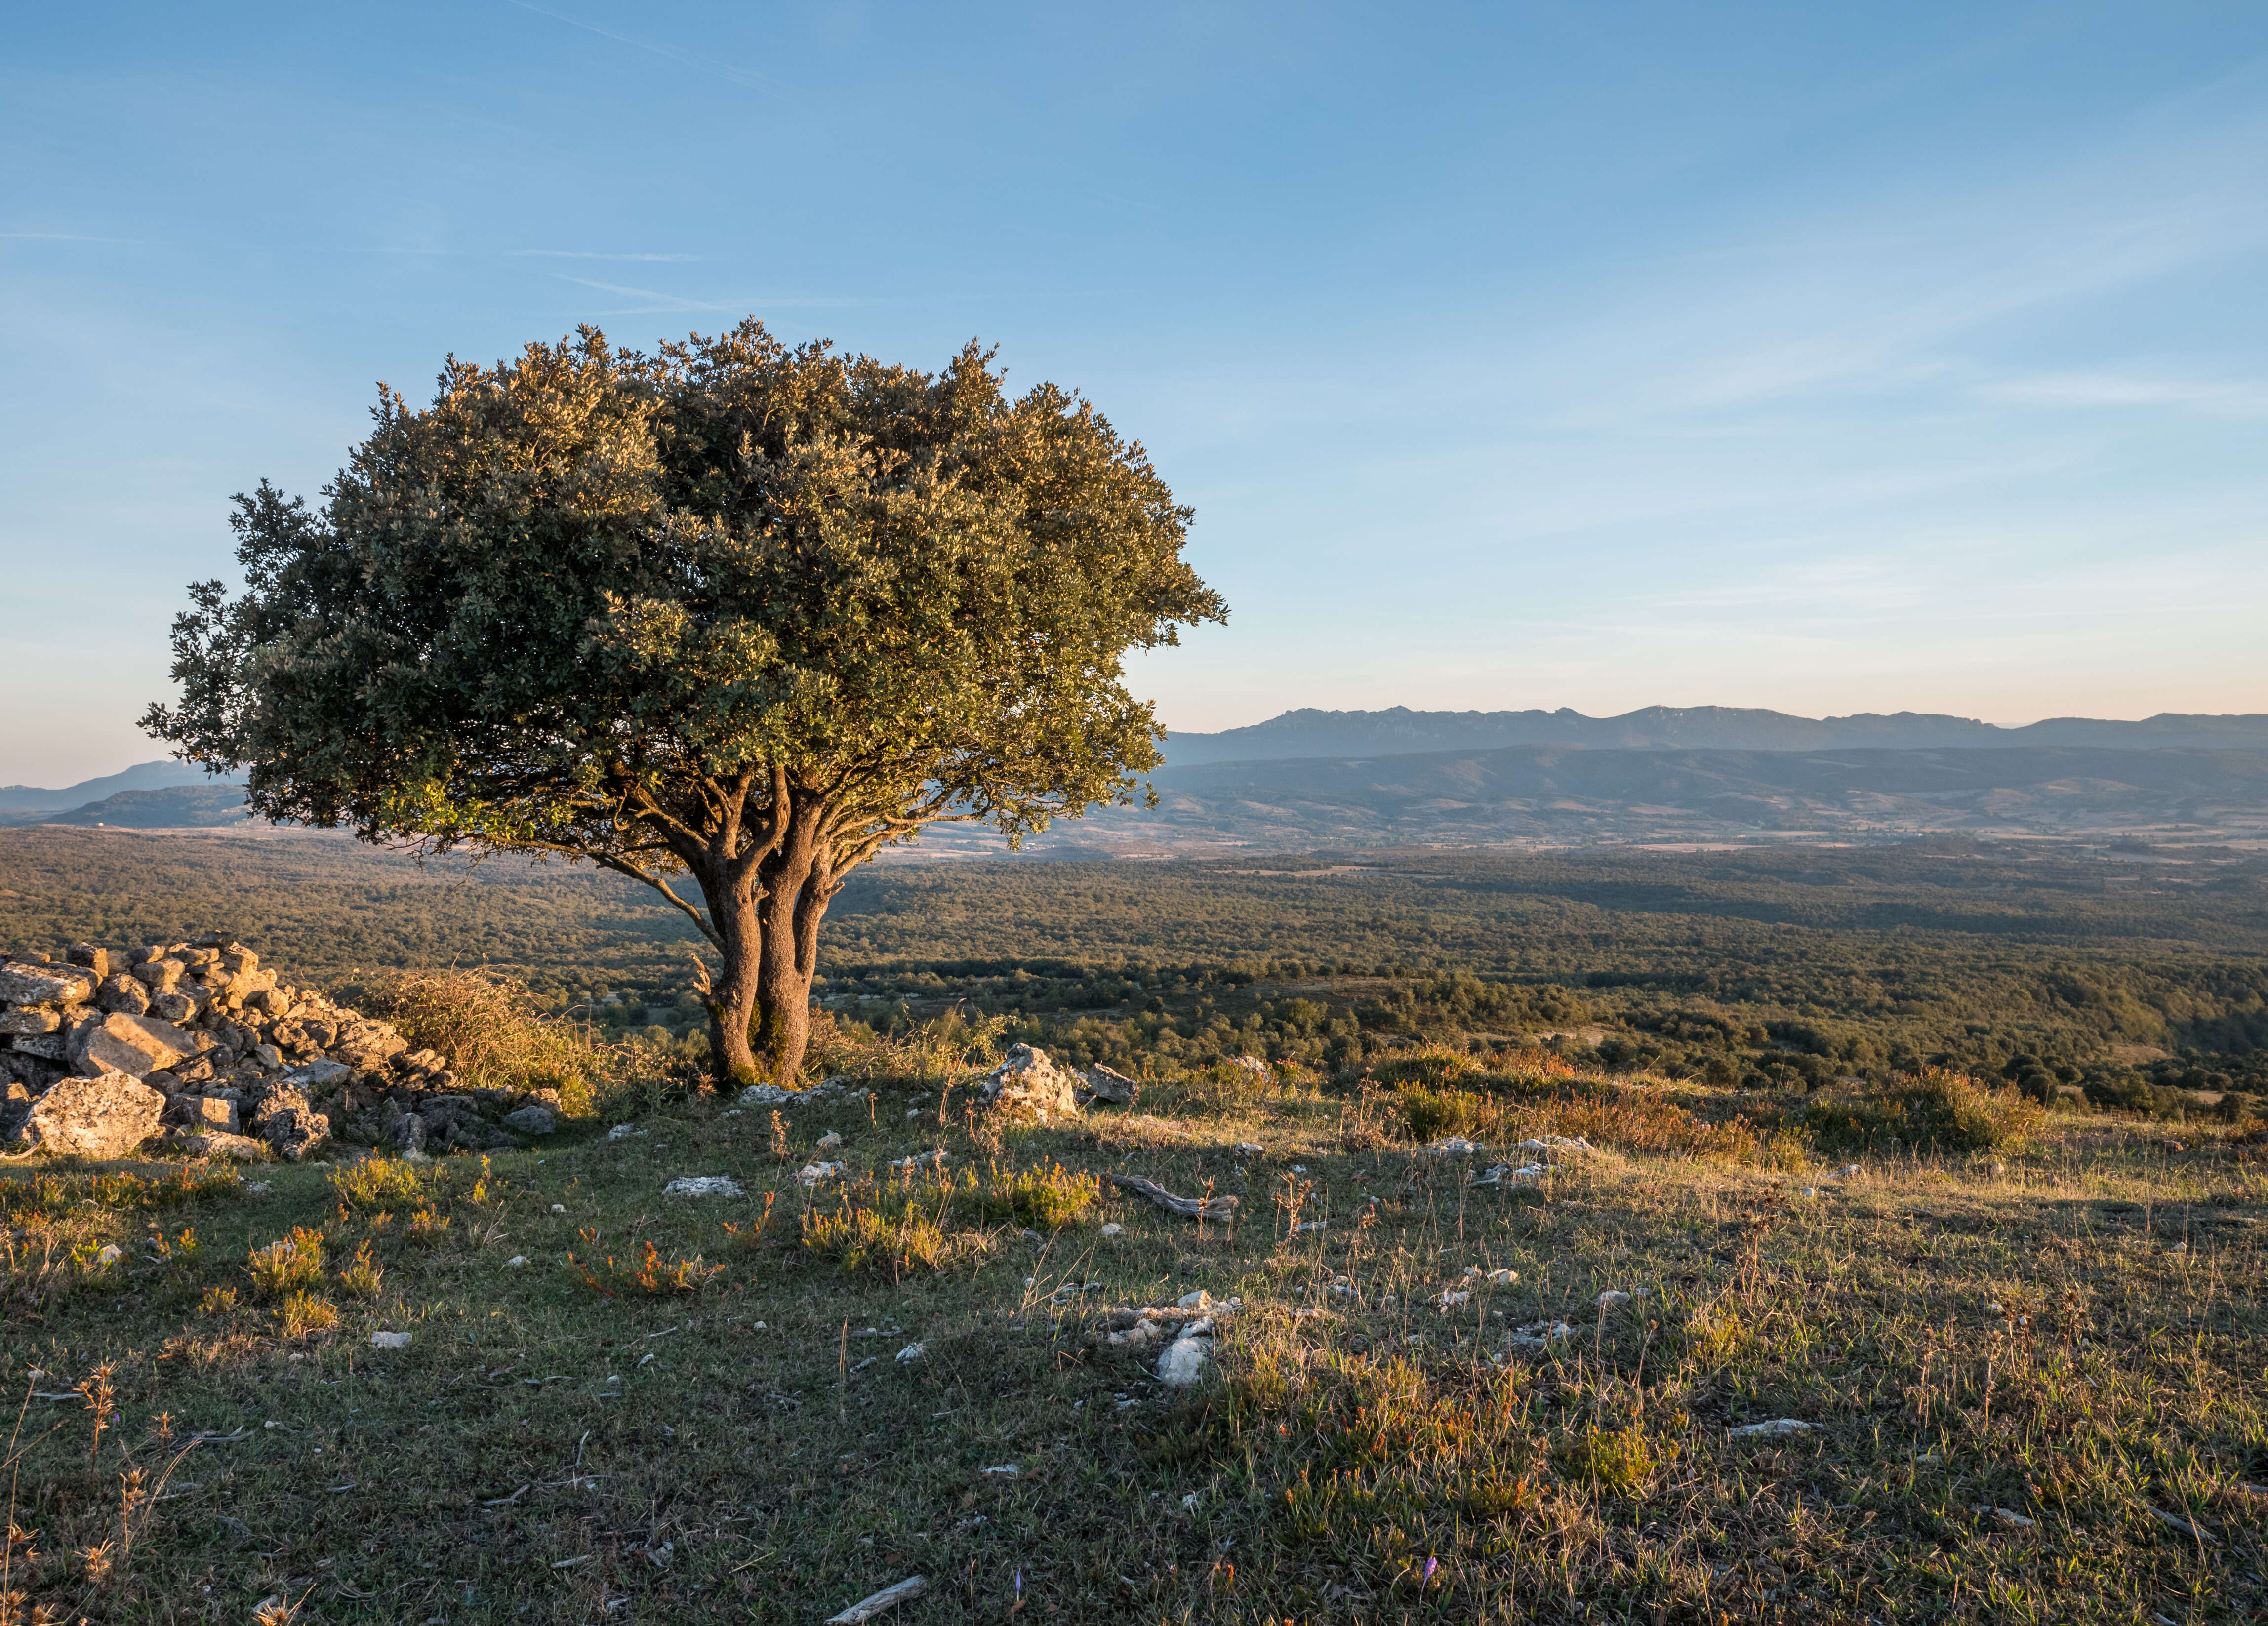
[1934, 1110]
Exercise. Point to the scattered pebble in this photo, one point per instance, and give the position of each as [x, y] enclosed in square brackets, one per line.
[1503, 1278]
[812, 1173]
[1451, 1299]
[1006, 1471]
[829, 1141]
[1250, 1148]
[624, 1132]
[1456, 1146]
[1538, 1335]
[111, 1254]
[559, 1208]
[389, 1341]
[516, 1261]
[912, 1352]
[1613, 1297]
[1113, 1229]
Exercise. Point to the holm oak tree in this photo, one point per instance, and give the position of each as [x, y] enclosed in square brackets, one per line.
[734, 611]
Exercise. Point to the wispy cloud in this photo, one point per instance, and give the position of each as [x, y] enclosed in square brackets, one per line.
[723, 70]
[2120, 389]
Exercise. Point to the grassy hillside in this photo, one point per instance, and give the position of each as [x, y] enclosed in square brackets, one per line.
[2023, 1383]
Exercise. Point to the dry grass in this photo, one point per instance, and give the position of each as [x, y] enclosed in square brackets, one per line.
[481, 1023]
[2074, 1340]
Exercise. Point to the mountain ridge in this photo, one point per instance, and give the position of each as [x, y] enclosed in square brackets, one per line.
[141, 777]
[1309, 732]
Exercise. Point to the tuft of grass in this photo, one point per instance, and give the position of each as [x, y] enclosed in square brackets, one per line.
[217, 1301]
[1619, 1462]
[288, 1264]
[378, 1183]
[428, 1226]
[363, 1275]
[859, 1237]
[175, 1189]
[1714, 1337]
[306, 1313]
[1049, 1197]
[1934, 1110]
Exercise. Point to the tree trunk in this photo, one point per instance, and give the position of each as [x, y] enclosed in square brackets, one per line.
[798, 881]
[733, 911]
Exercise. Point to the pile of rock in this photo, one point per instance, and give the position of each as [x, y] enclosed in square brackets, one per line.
[102, 1049]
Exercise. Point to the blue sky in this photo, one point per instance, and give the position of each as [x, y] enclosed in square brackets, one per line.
[1828, 359]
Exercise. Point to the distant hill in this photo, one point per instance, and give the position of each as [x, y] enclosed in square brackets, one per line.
[1402, 731]
[144, 776]
[179, 807]
[1561, 795]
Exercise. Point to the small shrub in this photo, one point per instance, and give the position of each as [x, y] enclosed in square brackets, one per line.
[1619, 1462]
[1936, 1110]
[308, 1313]
[427, 1226]
[363, 1275]
[217, 1301]
[1429, 1114]
[288, 1265]
[378, 1183]
[486, 1028]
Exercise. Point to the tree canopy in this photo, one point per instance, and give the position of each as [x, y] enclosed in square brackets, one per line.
[736, 610]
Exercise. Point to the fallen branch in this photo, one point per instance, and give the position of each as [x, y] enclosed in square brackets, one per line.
[1189, 1208]
[868, 1609]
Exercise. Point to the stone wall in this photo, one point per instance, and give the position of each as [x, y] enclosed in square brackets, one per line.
[104, 1051]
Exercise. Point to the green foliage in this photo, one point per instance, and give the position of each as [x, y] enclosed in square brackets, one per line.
[858, 1236]
[377, 1183]
[1429, 1114]
[1936, 1110]
[1617, 1461]
[288, 1264]
[734, 609]
[1049, 1196]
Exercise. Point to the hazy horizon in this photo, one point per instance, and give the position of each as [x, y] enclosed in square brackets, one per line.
[1821, 362]
[10, 777]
